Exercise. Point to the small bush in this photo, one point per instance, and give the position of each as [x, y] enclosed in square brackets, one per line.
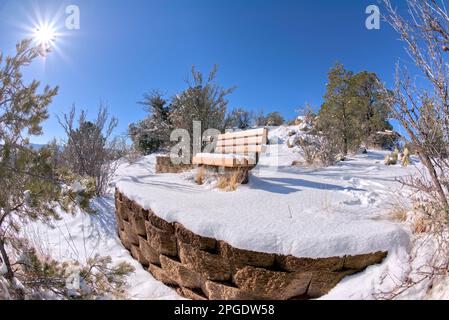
[318, 150]
[230, 181]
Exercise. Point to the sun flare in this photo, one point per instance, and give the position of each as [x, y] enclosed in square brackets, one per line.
[44, 36]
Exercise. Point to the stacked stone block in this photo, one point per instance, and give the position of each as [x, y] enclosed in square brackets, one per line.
[204, 268]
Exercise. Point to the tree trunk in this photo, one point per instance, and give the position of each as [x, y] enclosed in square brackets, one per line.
[9, 273]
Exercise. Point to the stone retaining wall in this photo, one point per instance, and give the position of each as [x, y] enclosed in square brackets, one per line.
[202, 268]
[165, 165]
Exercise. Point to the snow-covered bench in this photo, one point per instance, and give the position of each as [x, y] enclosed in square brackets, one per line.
[237, 150]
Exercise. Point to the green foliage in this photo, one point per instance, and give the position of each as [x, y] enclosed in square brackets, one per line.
[355, 108]
[44, 277]
[239, 118]
[152, 133]
[88, 151]
[274, 119]
[204, 100]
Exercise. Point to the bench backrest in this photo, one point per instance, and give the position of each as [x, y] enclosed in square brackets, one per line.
[250, 142]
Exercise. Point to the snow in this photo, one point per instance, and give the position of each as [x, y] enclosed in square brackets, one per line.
[317, 213]
[321, 213]
[80, 236]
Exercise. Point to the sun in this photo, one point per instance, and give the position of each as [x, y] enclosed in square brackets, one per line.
[44, 37]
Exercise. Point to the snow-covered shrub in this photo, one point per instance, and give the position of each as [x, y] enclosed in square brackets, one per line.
[318, 150]
[88, 150]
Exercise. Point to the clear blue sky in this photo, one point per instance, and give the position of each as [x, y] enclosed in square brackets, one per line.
[277, 53]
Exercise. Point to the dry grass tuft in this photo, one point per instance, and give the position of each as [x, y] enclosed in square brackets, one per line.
[230, 181]
[200, 176]
[399, 210]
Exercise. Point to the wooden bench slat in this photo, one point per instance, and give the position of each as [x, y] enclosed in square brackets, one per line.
[241, 149]
[243, 134]
[221, 162]
[258, 140]
[234, 150]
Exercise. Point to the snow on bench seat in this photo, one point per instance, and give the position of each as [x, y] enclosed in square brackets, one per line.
[224, 160]
[236, 149]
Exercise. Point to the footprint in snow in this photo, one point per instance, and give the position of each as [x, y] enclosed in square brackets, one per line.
[353, 202]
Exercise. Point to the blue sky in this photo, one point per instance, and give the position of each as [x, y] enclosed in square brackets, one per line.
[277, 53]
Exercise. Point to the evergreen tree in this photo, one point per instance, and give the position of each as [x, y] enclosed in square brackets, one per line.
[338, 116]
[152, 133]
[372, 104]
[33, 188]
[239, 118]
[27, 179]
[356, 107]
[274, 119]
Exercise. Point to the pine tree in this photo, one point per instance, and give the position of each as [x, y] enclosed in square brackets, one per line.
[338, 116]
[372, 104]
[27, 178]
[33, 188]
[356, 107]
[152, 133]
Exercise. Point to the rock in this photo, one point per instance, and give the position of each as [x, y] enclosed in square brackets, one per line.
[136, 208]
[362, 151]
[324, 281]
[119, 221]
[161, 241]
[127, 203]
[160, 275]
[210, 266]
[138, 223]
[124, 213]
[118, 195]
[196, 295]
[239, 258]
[125, 240]
[220, 291]
[160, 223]
[183, 276]
[150, 254]
[132, 236]
[137, 254]
[293, 264]
[297, 163]
[196, 241]
[272, 284]
[360, 262]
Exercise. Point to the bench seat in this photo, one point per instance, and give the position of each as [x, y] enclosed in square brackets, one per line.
[224, 160]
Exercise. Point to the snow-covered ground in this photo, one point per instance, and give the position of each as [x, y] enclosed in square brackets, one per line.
[80, 236]
[345, 209]
[329, 212]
